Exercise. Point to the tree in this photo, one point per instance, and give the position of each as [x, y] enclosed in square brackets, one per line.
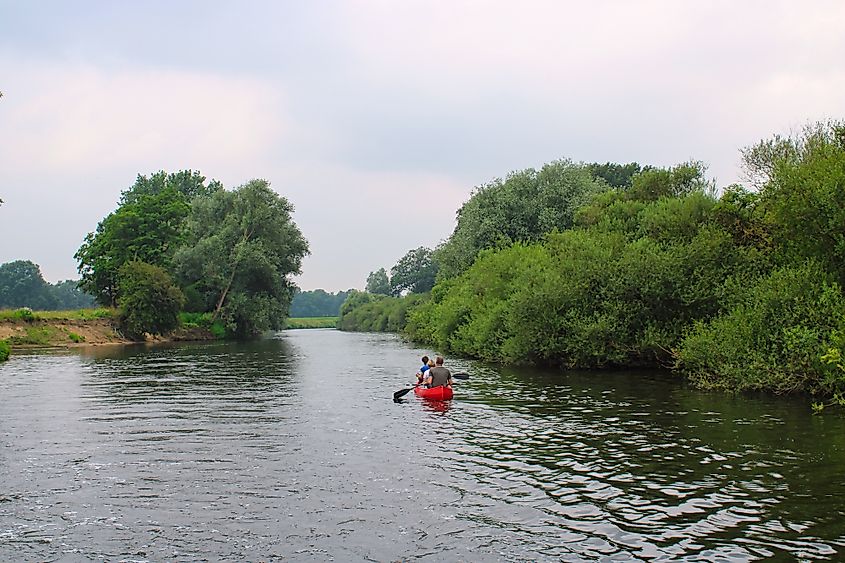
[802, 186]
[22, 285]
[524, 207]
[616, 175]
[241, 246]
[415, 272]
[149, 300]
[317, 303]
[378, 283]
[189, 183]
[68, 296]
[146, 228]
[653, 183]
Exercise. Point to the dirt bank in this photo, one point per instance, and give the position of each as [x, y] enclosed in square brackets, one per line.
[72, 333]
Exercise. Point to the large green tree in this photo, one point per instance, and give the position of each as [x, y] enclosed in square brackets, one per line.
[415, 272]
[189, 183]
[241, 246]
[147, 226]
[378, 282]
[802, 191]
[522, 208]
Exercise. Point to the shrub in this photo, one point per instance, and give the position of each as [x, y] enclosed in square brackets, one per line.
[5, 349]
[76, 338]
[25, 314]
[149, 301]
[772, 337]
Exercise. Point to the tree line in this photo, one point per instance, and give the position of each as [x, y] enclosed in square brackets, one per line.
[592, 266]
[178, 243]
[317, 303]
[22, 285]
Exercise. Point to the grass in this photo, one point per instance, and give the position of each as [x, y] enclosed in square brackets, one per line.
[34, 336]
[202, 320]
[77, 338]
[25, 314]
[311, 322]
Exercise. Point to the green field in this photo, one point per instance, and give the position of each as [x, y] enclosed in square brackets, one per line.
[311, 322]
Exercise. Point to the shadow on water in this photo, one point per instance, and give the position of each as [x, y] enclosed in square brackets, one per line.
[137, 373]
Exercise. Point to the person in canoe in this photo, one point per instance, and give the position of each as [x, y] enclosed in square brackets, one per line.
[438, 376]
[421, 373]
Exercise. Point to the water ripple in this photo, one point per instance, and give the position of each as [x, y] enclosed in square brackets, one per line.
[290, 448]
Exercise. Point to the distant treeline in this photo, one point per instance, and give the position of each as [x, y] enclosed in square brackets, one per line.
[317, 303]
[22, 285]
[592, 266]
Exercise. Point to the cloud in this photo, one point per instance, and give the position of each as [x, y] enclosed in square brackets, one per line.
[377, 118]
[80, 118]
[75, 135]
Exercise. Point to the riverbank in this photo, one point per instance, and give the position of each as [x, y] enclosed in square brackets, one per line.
[69, 333]
[72, 331]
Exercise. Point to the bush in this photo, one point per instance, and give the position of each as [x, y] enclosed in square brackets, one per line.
[5, 350]
[76, 338]
[149, 300]
[772, 337]
[25, 314]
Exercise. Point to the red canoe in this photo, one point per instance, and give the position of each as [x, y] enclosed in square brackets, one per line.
[435, 393]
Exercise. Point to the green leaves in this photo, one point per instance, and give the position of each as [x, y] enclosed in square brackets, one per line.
[241, 246]
[149, 300]
[415, 272]
[522, 208]
[147, 228]
[378, 283]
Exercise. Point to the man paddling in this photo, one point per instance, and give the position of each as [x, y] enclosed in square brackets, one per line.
[438, 376]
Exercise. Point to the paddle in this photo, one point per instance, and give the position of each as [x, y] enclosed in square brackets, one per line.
[402, 392]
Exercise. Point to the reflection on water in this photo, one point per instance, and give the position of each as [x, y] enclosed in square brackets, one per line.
[292, 448]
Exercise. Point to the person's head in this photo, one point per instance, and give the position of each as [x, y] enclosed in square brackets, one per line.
[439, 360]
[425, 360]
[431, 363]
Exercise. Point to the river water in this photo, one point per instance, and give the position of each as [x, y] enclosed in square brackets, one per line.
[291, 449]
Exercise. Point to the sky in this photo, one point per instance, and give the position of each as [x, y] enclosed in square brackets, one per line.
[377, 119]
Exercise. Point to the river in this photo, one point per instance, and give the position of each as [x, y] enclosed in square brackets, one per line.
[292, 449]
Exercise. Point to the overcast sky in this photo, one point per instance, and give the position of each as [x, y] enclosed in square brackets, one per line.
[377, 119]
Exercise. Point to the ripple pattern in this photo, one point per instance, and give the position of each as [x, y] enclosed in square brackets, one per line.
[291, 449]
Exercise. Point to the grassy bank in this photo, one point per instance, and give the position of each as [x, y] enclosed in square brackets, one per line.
[311, 322]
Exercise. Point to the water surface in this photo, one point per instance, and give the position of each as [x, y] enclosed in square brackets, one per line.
[292, 449]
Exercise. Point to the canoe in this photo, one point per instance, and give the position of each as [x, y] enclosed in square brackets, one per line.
[435, 393]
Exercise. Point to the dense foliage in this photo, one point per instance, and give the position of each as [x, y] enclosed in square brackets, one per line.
[413, 273]
[147, 226]
[22, 285]
[229, 252]
[739, 291]
[378, 282]
[779, 328]
[149, 300]
[241, 245]
[317, 303]
[376, 313]
[4, 350]
[522, 208]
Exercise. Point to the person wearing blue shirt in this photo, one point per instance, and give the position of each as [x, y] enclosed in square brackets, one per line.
[423, 369]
